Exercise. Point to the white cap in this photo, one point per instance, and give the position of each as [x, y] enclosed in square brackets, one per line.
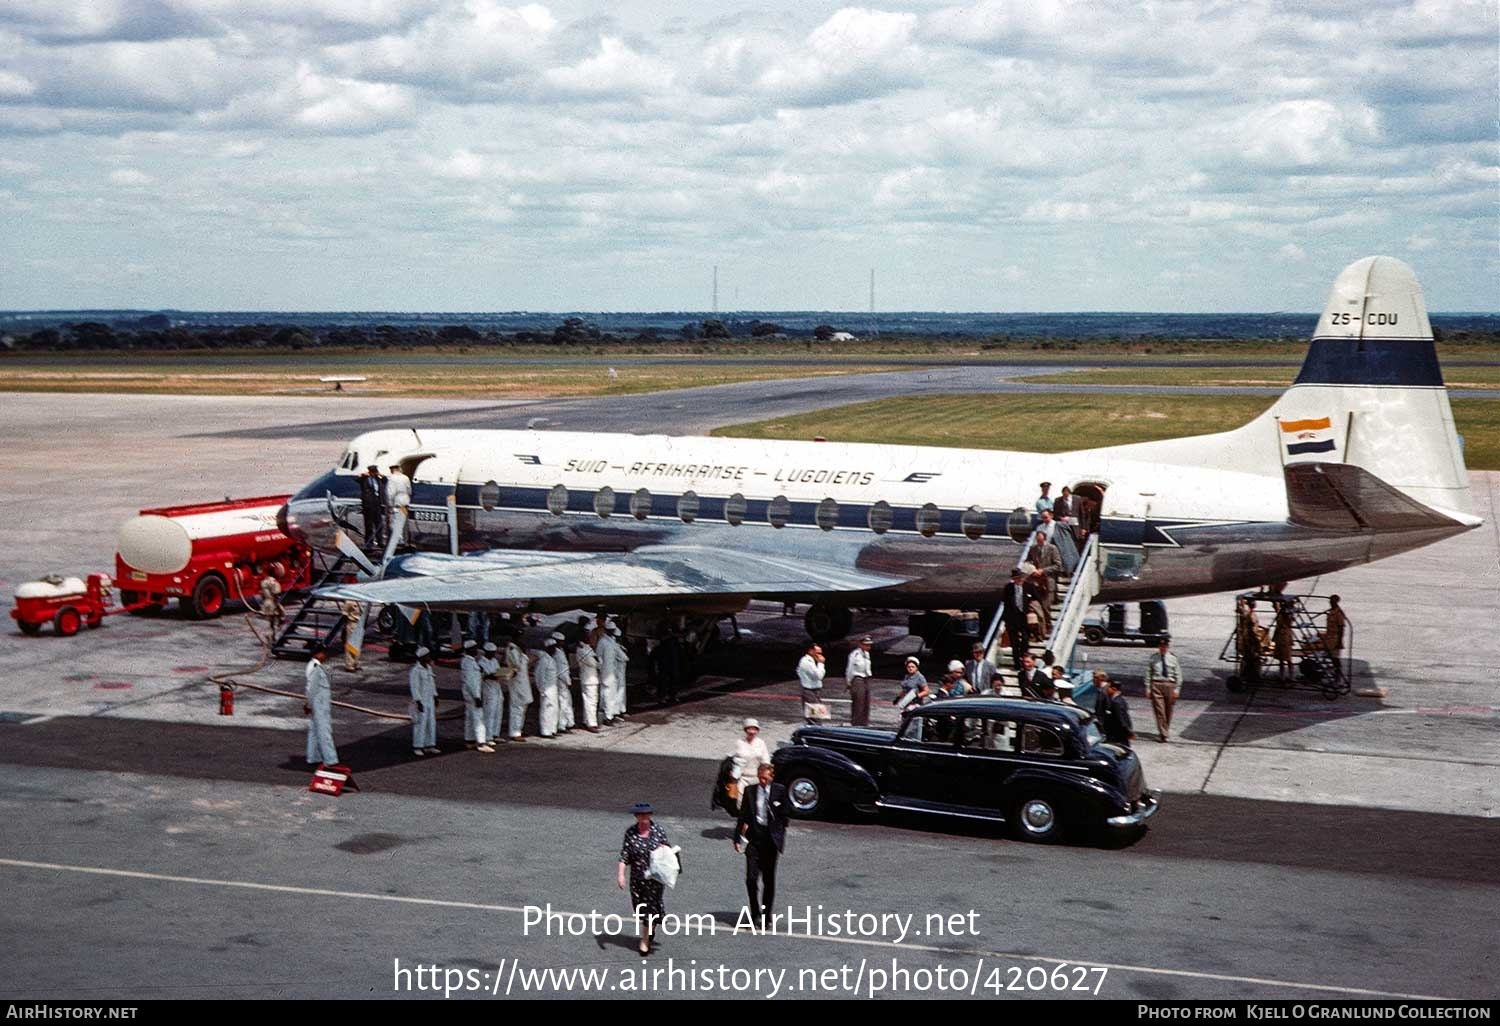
[550, 642]
[557, 636]
[471, 643]
[751, 721]
[490, 646]
[954, 666]
[913, 661]
[423, 651]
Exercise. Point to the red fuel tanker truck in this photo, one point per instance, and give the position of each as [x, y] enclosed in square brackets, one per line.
[206, 555]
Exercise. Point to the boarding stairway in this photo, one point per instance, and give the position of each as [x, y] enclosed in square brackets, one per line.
[1076, 590]
[318, 621]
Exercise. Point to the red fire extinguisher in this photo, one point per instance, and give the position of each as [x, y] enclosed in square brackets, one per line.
[226, 700]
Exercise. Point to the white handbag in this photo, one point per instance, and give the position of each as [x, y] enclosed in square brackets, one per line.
[666, 864]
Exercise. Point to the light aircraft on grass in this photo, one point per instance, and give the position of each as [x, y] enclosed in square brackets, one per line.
[1358, 460]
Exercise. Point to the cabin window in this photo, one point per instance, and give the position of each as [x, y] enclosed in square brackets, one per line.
[828, 514]
[687, 507]
[734, 509]
[881, 517]
[973, 523]
[779, 511]
[557, 500]
[929, 519]
[489, 496]
[604, 501]
[1018, 525]
[640, 504]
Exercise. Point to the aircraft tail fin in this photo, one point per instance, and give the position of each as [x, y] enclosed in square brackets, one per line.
[1370, 394]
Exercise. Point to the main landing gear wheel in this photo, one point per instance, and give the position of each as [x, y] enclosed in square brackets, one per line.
[828, 623]
[208, 596]
[1093, 635]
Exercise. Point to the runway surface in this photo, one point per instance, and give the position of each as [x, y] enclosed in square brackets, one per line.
[1306, 848]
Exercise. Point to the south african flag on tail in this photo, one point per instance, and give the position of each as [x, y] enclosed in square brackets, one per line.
[1305, 436]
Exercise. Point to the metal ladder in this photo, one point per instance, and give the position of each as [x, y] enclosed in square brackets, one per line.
[318, 621]
[1074, 594]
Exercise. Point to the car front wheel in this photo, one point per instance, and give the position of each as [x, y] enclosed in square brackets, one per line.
[805, 795]
[1036, 818]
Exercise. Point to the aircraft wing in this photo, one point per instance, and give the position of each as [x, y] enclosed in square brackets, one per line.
[509, 579]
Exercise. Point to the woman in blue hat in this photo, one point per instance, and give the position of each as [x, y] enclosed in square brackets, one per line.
[645, 893]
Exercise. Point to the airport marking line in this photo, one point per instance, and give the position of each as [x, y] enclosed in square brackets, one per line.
[250, 885]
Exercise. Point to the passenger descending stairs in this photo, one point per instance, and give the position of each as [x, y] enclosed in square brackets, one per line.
[319, 620]
[1074, 595]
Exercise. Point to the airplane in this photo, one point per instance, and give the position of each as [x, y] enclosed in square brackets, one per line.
[1357, 461]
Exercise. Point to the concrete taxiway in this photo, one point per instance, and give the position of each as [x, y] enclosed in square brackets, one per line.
[1306, 847]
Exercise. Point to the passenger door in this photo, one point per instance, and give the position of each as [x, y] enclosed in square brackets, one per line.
[923, 761]
[989, 753]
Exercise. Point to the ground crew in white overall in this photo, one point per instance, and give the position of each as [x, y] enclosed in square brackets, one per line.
[588, 685]
[565, 718]
[471, 684]
[423, 684]
[397, 494]
[518, 689]
[621, 657]
[544, 669]
[489, 691]
[606, 651]
[319, 708]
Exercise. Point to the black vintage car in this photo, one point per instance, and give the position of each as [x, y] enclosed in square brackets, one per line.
[1040, 767]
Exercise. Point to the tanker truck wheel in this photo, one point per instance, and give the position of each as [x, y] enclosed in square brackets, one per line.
[67, 621]
[28, 628]
[208, 596]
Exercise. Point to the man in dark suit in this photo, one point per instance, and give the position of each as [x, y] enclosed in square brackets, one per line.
[762, 827]
[1013, 602]
[372, 505]
[1112, 712]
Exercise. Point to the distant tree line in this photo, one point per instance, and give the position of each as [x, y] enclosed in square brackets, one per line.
[157, 332]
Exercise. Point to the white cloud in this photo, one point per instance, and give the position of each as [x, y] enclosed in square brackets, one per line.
[13, 85]
[460, 48]
[1292, 251]
[616, 71]
[130, 176]
[1302, 133]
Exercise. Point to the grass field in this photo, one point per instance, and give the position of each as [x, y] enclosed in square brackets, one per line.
[1456, 378]
[1057, 423]
[242, 376]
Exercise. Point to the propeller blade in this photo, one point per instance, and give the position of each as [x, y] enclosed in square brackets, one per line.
[346, 545]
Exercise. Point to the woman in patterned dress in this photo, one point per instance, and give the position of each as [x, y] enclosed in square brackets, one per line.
[635, 853]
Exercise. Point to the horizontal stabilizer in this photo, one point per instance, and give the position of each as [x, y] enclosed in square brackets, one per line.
[1344, 497]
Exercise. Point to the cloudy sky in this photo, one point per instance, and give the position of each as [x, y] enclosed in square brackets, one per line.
[1000, 155]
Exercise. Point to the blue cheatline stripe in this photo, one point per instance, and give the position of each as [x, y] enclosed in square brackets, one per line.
[904, 519]
[1302, 447]
[1385, 361]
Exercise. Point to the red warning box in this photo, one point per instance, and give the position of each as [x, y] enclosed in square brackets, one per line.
[332, 780]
